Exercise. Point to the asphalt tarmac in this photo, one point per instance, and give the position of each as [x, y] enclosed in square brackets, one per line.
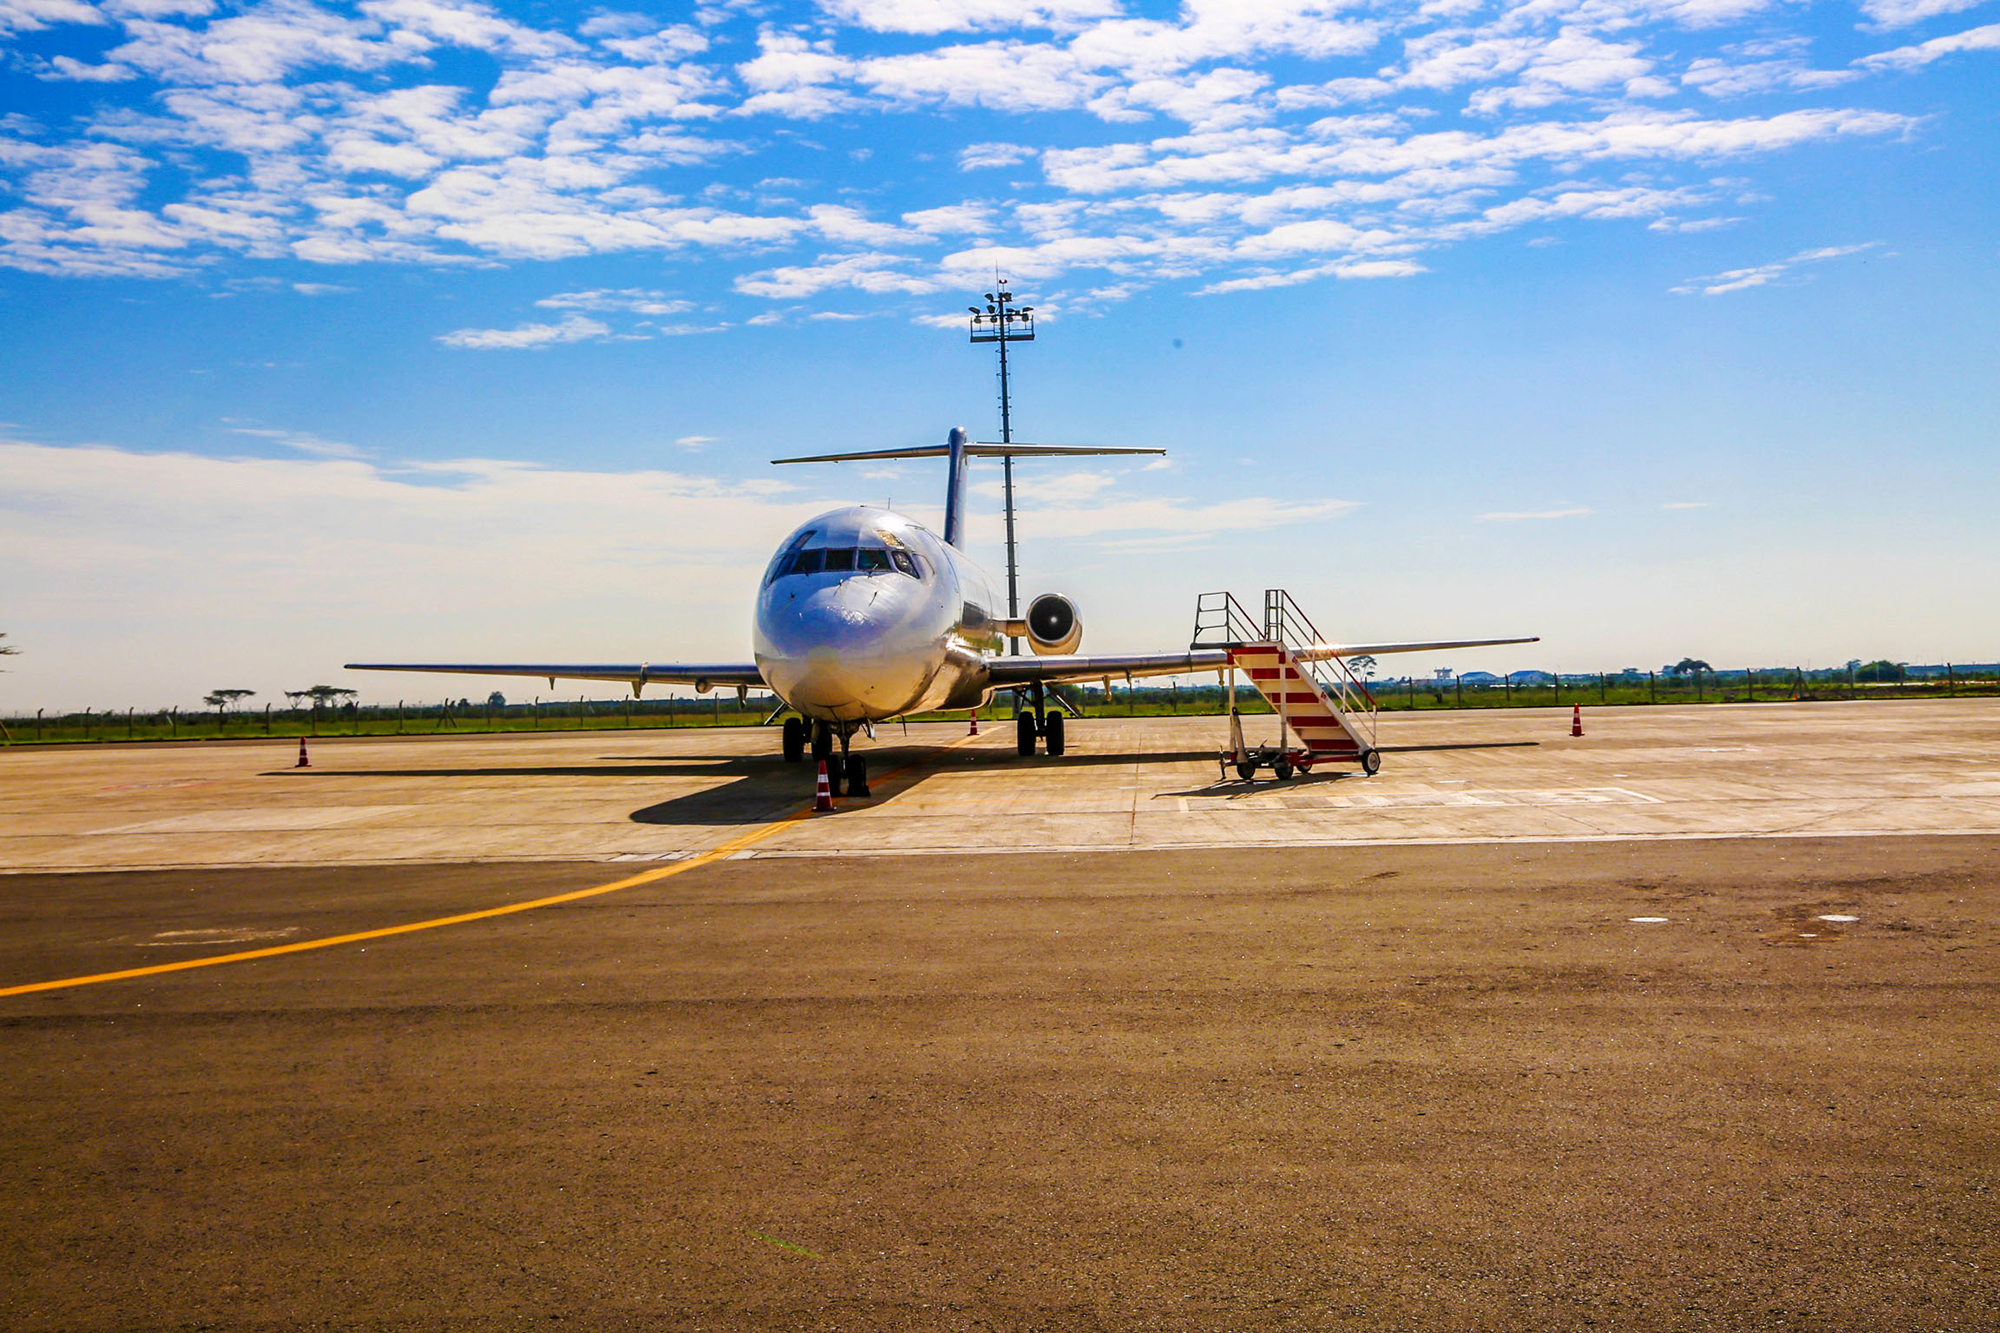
[1656, 1079]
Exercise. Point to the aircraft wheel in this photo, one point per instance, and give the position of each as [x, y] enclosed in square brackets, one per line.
[822, 743]
[1052, 733]
[836, 772]
[1283, 768]
[1371, 762]
[1024, 733]
[1246, 769]
[795, 739]
[856, 770]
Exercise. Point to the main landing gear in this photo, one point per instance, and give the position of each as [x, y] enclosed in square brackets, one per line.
[844, 771]
[1039, 719]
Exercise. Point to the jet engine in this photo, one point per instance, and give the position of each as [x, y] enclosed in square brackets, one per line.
[1053, 625]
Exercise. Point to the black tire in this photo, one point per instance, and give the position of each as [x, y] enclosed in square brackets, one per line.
[1024, 733]
[1283, 768]
[1246, 769]
[1371, 762]
[856, 772]
[1052, 733]
[836, 771]
[822, 743]
[795, 739]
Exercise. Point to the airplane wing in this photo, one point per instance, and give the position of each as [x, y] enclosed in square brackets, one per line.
[1058, 668]
[701, 675]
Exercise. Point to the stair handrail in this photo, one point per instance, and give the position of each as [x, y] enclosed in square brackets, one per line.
[1221, 622]
[1286, 623]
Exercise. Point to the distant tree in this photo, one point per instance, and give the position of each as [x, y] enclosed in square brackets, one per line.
[220, 700]
[1881, 671]
[1365, 665]
[1687, 664]
[496, 700]
[7, 649]
[323, 696]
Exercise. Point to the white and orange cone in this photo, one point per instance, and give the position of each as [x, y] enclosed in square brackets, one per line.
[975, 723]
[1576, 720]
[303, 761]
[823, 797]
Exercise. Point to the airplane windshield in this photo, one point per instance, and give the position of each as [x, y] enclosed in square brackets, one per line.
[838, 559]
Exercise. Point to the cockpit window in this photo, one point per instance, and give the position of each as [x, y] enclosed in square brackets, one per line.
[839, 559]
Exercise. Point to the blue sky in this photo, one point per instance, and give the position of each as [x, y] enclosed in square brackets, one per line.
[433, 330]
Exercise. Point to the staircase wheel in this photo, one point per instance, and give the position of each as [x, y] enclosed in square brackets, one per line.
[1371, 762]
[1024, 733]
[1246, 769]
[1052, 733]
[1283, 768]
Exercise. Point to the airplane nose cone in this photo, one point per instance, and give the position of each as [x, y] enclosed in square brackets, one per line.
[844, 649]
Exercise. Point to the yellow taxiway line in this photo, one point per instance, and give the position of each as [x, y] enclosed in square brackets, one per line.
[727, 849]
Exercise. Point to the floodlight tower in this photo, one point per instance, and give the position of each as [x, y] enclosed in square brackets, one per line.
[1001, 322]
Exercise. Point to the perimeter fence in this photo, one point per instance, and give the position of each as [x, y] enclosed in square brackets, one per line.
[1116, 698]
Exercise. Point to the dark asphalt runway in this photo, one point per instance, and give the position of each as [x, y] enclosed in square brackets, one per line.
[1311, 1088]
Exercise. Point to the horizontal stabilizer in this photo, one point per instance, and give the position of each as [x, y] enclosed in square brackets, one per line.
[981, 450]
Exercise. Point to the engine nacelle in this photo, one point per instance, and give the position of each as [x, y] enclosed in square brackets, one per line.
[1053, 625]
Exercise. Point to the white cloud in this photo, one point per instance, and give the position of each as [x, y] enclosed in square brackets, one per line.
[930, 17]
[865, 272]
[35, 15]
[628, 300]
[1521, 515]
[975, 157]
[575, 328]
[1916, 57]
[696, 442]
[1903, 13]
[1763, 275]
[301, 441]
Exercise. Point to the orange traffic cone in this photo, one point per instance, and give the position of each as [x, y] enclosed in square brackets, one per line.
[823, 797]
[303, 761]
[1576, 720]
[975, 723]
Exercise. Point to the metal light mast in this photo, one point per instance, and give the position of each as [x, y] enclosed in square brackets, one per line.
[1000, 322]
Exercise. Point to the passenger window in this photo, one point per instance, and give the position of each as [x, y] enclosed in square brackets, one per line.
[841, 559]
[872, 561]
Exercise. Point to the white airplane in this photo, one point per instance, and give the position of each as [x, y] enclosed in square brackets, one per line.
[866, 615]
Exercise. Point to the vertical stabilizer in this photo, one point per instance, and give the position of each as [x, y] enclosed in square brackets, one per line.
[954, 494]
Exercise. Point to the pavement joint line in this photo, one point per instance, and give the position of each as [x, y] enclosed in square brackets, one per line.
[725, 851]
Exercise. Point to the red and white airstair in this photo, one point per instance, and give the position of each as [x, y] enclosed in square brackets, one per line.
[1316, 697]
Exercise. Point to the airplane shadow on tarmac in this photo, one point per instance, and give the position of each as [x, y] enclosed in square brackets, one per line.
[765, 787]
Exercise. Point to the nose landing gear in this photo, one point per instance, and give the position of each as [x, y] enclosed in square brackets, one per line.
[845, 772]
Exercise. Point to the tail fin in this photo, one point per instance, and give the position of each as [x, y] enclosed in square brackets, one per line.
[954, 488]
[957, 448]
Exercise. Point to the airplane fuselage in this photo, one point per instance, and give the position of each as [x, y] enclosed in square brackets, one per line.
[865, 614]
